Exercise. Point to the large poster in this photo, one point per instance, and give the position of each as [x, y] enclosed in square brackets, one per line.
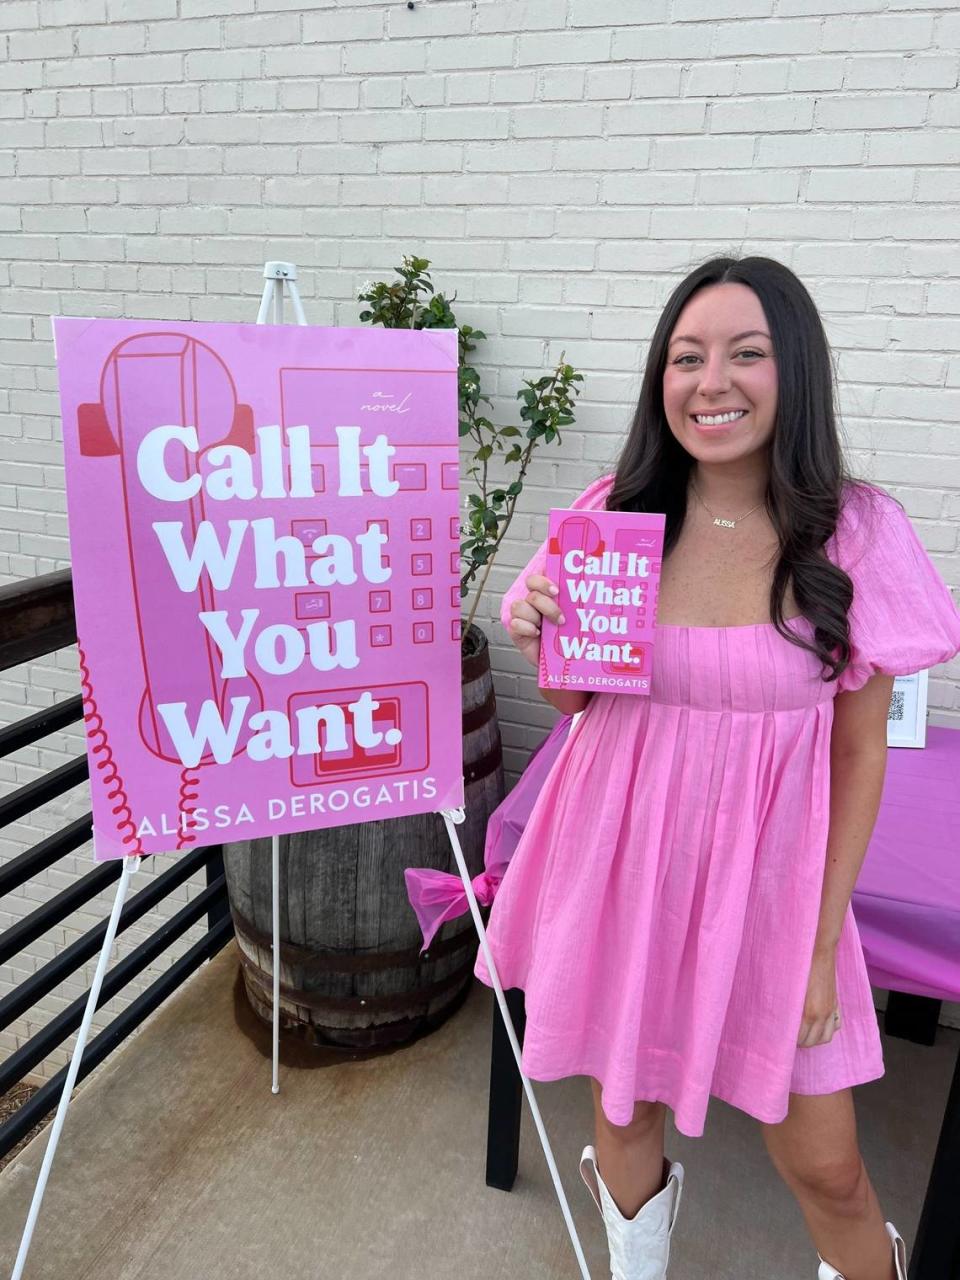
[264, 537]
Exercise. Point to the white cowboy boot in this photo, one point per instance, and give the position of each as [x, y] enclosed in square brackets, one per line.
[639, 1246]
[826, 1272]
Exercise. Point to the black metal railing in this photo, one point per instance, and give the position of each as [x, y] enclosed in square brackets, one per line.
[36, 618]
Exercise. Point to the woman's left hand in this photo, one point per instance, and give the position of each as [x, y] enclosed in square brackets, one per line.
[819, 1024]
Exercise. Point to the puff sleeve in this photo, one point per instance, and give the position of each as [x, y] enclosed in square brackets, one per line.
[593, 497]
[903, 618]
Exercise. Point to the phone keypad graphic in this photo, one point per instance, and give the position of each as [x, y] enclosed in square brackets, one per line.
[639, 541]
[312, 606]
[307, 531]
[418, 603]
[401, 706]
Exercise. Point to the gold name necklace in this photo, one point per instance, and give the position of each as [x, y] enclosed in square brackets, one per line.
[725, 524]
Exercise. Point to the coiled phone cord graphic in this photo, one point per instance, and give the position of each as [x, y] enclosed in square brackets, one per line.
[189, 778]
[110, 775]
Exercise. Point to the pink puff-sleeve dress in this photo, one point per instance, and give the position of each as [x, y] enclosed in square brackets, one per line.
[661, 906]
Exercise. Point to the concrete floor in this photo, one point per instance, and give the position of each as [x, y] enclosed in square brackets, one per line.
[177, 1162]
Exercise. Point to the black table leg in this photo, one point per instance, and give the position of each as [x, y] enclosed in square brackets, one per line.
[911, 1017]
[506, 1096]
[936, 1247]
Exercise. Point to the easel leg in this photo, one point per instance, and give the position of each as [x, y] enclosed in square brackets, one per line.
[275, 275]
[506, 1098]
[450, 816]
[275, 851]
[129, 866]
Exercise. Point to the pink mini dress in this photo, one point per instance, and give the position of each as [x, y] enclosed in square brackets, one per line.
[661, 906]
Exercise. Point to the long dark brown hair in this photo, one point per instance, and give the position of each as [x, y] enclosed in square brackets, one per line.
[807, 473]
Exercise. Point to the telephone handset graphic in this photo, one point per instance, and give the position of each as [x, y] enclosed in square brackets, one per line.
[188, 385]
[575, 533]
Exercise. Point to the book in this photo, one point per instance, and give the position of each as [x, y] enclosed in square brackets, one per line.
[607, 567]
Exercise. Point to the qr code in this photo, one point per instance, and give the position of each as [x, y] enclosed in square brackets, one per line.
[896, 706]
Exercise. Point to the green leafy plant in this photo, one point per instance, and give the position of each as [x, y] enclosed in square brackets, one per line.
[546, 405]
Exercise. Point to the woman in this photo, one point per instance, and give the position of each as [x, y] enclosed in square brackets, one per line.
[677, 910]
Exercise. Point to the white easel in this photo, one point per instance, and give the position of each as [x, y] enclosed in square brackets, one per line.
[450, 816]
[130, 865]
[276, 275]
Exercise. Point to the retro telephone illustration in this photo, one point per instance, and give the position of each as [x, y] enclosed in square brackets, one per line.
[173, 380]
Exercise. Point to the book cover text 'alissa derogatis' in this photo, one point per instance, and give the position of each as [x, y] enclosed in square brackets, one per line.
[607, 566]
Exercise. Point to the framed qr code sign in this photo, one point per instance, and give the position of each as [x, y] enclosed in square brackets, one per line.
[907, 715]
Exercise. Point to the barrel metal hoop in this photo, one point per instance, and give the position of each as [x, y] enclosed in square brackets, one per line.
[474, 770]
[314, 960]
[476, 666]
[480, 715]
[402, 1000]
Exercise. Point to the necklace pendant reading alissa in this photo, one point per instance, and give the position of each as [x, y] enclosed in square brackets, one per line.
[721, 520]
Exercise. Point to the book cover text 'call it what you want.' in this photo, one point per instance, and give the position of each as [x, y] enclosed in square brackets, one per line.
[607, 567]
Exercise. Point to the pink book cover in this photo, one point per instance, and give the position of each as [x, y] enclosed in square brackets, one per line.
[607, 566]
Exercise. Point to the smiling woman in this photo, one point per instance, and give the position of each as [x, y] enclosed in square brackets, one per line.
[720, 380]
[677, 908]
[715, 419]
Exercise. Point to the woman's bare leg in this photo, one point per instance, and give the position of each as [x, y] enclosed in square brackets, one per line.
[815, 1151]
[630, 1157]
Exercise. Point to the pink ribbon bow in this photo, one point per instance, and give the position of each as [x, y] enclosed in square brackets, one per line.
[439, 896]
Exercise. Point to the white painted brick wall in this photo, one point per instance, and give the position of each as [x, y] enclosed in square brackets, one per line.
[563, 163]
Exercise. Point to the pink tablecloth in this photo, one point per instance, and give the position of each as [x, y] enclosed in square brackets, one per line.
[907, 899]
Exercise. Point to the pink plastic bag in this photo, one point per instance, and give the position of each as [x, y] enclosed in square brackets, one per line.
[438, 896]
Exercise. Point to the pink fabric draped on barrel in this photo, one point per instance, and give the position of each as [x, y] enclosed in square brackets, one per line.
[438, 896]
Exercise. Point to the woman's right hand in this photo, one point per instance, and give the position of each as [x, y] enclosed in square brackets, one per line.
[525, 615]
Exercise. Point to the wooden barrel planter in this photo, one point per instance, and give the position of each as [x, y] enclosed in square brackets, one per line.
[351, 972]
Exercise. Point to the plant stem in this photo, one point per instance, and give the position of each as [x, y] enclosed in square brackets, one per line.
[476, 598]
[506, 525]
